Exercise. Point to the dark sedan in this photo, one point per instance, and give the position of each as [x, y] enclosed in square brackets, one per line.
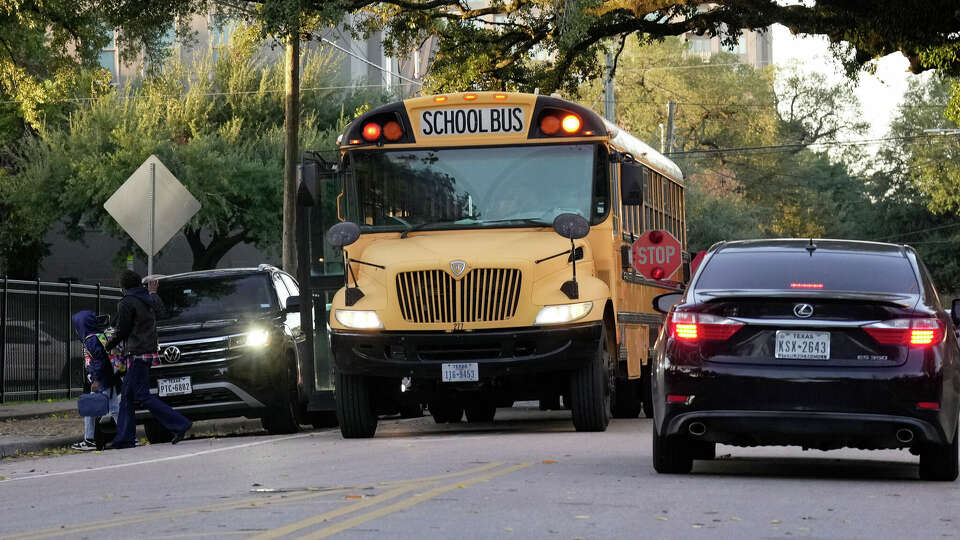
[822, 344]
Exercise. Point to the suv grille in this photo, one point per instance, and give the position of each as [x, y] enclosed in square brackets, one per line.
[196, 351]
[483, 294]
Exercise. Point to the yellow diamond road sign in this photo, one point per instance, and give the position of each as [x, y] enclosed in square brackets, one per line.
[152, 206]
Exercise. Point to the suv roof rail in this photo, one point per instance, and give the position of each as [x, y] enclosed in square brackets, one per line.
[264, 267]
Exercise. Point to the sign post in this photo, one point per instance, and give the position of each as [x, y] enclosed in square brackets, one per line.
[152, 191]
[656, 255]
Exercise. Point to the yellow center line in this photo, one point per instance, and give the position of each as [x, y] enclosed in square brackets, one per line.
[406, 487]
[412, 501]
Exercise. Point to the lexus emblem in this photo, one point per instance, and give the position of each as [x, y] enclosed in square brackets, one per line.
[803, 311]
[457, 267]
[171, 354]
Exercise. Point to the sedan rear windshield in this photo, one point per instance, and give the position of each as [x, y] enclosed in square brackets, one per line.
[798, 270]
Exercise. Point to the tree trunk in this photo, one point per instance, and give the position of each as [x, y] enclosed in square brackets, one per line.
[291, 151]
[206, 257]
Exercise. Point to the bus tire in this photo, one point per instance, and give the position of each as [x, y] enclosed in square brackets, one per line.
[355, 407]
[646, 390]
[625, 402]
[589, 395]
[411, 409]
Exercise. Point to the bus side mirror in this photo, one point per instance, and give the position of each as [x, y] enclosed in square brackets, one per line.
[574, 227]
[632, 180]
[343, 234]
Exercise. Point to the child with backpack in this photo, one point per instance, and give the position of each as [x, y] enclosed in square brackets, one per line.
[103, 376]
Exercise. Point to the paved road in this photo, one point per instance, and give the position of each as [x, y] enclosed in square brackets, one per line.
[528, 476]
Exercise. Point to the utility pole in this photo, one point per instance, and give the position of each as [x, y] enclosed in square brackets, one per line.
[670, 108]
[609, 106]
[291, 124]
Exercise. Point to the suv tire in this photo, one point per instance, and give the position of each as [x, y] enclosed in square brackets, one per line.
[281, 418]
[589, 394]
[156, 433]
[670, 454]
[355, 407]
[940, 461]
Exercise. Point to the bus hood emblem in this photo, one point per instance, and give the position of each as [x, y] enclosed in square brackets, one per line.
[457, 267]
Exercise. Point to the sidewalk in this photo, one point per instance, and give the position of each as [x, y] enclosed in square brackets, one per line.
[32, 427]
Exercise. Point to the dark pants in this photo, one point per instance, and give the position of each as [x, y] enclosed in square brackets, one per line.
[136, 393]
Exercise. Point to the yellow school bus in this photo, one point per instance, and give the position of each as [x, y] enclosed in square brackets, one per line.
[484, 242]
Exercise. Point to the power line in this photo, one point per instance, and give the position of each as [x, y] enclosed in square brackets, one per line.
[919, 231]
[793, 146]
[368, 62]
[695, 66]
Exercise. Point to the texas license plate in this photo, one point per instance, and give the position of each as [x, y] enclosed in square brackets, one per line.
[174, 387]
[803, 345]
[460, 372]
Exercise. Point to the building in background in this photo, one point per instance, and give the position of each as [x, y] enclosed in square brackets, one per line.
[753, 47]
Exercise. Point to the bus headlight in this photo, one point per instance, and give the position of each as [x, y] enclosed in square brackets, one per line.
[563, 313]
[360, 320]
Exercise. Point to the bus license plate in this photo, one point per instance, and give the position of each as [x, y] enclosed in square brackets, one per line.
[803, 345]
[465, 372]
[174, 387]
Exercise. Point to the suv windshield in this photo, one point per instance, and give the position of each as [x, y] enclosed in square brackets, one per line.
[797, 270]
[205, 298]
[473, 187]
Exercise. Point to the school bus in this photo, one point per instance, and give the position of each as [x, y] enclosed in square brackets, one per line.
[469, 250]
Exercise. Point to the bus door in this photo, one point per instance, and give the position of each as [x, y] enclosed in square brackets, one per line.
[320, 271]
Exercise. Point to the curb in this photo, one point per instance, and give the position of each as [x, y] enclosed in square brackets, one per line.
[213, 428]
[36, 415]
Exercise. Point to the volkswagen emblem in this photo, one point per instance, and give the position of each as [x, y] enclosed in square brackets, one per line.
[803, 311]
[171, 354]
[457, 267]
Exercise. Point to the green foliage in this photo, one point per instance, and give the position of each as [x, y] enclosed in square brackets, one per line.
[216, 124]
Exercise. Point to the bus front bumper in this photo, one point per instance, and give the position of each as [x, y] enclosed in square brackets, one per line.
[498, 353]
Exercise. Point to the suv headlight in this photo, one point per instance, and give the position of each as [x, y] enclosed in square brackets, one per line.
[360, 320]
[257, 338]
[563, 313]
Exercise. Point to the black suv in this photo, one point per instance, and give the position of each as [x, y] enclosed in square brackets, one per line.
[230, 345]
[816, 343]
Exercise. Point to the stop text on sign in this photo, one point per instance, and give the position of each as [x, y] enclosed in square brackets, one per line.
[655, 254]
[472, 121]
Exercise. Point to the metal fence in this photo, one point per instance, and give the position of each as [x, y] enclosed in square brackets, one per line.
[40, 354]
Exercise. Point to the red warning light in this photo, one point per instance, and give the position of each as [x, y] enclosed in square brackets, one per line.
[550, 125]
[371, 131]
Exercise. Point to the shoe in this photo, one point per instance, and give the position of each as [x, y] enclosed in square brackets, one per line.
[84, 445]
[178, 436]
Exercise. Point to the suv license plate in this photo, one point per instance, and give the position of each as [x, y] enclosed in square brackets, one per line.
[803, 345]
[460, 372]
[174, 387]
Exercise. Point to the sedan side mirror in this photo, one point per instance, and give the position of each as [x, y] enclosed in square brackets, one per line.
[954, 314]
[665, 302]
[293, 304]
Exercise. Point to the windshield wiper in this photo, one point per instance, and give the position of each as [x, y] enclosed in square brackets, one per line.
[525, 221]
[420, 226]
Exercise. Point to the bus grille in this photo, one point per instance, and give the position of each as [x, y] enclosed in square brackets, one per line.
[483, 294]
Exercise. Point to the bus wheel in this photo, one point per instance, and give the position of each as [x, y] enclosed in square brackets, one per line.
[588, 390]
[445, 411]
[411, 409]
[355, 406]
[481, 410]
[625, 402]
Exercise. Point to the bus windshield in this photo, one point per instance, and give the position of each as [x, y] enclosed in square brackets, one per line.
[473, 187]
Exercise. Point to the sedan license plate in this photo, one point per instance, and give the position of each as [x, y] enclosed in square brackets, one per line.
[801, 344]
[464, 372]
[174, 387]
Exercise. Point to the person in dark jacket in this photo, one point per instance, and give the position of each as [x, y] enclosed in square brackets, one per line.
[100, 370]
[136, 328]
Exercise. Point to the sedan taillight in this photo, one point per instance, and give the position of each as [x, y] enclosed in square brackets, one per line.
[912, 332]
[692, 327]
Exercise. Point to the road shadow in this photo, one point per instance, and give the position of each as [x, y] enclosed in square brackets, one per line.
[825, 468]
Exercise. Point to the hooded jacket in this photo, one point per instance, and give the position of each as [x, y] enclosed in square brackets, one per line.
[88, 325]
[136, 322]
